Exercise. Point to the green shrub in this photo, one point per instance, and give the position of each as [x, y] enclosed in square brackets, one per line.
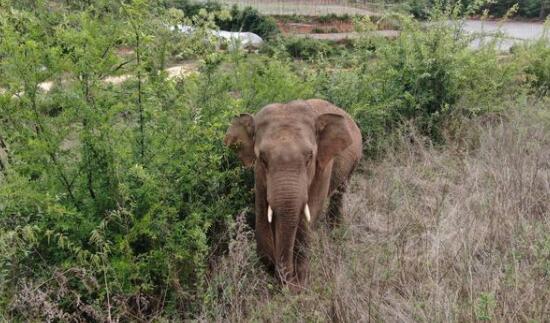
[499, 8]
[249, 19]
[118, 193]
[332, 17]
[318, 30]
[419, 8]
[537, 58]
[306, 48]
[526, 8]
[426, 75]
[245, 20]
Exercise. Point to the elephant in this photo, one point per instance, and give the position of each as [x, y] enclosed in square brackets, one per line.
[303, 152]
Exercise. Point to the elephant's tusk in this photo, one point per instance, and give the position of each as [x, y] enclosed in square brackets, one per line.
[306, 212]
[269, 213]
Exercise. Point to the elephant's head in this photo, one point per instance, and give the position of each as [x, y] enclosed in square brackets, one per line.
[289, 145]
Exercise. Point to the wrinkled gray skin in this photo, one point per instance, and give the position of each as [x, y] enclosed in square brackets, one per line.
[303, 152]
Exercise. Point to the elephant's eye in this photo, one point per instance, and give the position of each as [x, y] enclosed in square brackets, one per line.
[309, 158]
[263, 160]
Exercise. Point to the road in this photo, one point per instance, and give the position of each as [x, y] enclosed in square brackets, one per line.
[511, 32]
[512, 29]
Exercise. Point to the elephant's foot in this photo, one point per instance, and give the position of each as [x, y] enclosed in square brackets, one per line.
[294, 284]
[295, 281]
[268, 264]
[302, 271]
[301, 260]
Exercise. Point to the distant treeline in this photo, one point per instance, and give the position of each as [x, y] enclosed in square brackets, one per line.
[498, 8]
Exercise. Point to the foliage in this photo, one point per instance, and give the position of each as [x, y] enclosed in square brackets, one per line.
[426, 74]
[497, 8]
[537, 65]
[306, 48]
[117, 198]
[249, 19]
[332, 17]
[526, 8]
[245, 20]
[123, 185]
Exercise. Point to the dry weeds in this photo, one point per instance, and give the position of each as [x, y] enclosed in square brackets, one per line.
[454, 234]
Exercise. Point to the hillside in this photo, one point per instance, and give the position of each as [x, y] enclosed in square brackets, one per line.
[120, 202]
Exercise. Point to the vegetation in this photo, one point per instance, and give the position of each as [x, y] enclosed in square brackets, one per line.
[247, 19]
[498, 8]
[118, 201]
[300, 48]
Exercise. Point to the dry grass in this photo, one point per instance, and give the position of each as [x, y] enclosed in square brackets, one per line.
[431, 235]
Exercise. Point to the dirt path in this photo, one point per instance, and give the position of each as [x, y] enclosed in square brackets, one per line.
[350, 35]
[176, 71]
[173, 72]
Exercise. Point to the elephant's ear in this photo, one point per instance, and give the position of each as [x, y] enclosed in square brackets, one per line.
[240, 138]
[333, 136]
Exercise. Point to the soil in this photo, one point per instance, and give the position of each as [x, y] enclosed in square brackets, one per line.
[339, 37]
[315, 27]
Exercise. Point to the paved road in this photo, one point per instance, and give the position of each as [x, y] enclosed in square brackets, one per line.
[512, 29]
[512, 32]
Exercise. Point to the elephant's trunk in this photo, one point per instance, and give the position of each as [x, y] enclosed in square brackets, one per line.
[287, 197]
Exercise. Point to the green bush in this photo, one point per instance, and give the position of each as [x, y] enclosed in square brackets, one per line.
[332, 17]
[419, 8]
[499, 8]
[249, 19]
[117, 194]
[426, 75]
[306, 48]
[526, 8]
[245, 20]
[537, 58]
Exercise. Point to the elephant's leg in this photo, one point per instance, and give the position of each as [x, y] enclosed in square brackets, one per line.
[264, 235]
[301, 253]
[264, 242]
[335, 208]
